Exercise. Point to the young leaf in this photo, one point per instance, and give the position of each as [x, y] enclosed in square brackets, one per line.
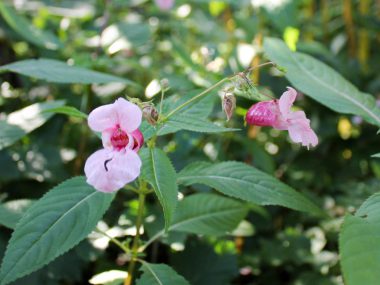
[69, 111]
[244, 182]
[25, 29]
[158, 170]
[359, 244]
[160, 274]
[321, 82]
[23, 121]
[59, 72]
[12, 211]
[53, 225]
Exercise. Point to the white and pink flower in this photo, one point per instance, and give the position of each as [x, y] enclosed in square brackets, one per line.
[118, 163]
[277, 114]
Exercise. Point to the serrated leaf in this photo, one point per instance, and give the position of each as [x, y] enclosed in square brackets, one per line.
[160, 173]
[59, 72]
[207, 214]
[25, 29]
[321, 82]
[69, 111]
[12, 211]
[53, 225]
[244, 182]
[22, 122]
[160, 274]
[359, 244]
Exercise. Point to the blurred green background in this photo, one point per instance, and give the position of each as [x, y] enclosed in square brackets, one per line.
[193, 45]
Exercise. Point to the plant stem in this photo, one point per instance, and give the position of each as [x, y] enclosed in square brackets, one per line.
[197, 97]
[136, 240]
[114, 240]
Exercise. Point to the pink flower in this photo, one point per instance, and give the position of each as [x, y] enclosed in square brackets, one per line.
[277, 114]
[118, 163]
[165, 5]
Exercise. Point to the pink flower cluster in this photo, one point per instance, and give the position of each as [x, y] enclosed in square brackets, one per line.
[277, 114]
[118, 163]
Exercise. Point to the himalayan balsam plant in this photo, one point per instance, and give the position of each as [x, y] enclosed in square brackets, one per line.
[133, 160]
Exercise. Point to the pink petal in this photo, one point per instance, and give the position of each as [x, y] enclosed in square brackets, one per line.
[286, 101]
[300, 131]
[102, 118]
[263, 114]
[138, 140]
[165, 4]
[129, 115]
[108, 171]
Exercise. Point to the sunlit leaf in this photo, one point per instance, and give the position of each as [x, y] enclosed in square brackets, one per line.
[22, 122]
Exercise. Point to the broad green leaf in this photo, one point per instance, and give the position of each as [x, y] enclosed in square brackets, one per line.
[359, 244]
[160, 274]
[191, 123]
[207, 214]
[25, 29]
[69, 111]
[53, 225]
[22, 122]
[12, 211]
[377, 155]
[321, 82]
[244, 182]
[59, 72]
[158, 170]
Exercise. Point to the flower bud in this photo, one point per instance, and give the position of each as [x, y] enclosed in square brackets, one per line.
[150, 113]
[164, 83]
[229, 105]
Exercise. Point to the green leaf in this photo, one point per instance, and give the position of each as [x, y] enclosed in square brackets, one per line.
[69, 111]
[23, 121]
[377, 155]
[206, 214]
[359, 244]
[12, 211]
[321, 82]
[59, 72]
[158, 170]
[244, 182]
[25, 29]
[160, 274]
[191, 123]
[53, 225]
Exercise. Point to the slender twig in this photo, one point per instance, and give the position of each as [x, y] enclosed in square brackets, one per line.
[114, 240]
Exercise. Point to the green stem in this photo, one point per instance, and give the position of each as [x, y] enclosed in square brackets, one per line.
[197, 97]
[114, 240]
[136, 240]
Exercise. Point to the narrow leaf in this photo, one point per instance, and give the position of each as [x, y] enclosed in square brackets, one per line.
[12, 211]
[321, 82]
[69, 111]
[359, 244]
[59, 72]
[25, 29]
[160, 274]
[53, 225]
[160, 173]
[244, 182]
[23, 121]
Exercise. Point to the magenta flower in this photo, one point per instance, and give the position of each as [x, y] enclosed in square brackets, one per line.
[165, 5]
[277, 114]
[118, 163]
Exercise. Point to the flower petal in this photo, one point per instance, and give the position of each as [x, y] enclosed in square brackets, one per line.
[300, 130]
[129, 115]
[286, 101]
[138, 140]
[102, 118]
[108, 171]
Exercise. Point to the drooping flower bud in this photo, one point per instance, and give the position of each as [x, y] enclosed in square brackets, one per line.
[150, 113]
[229, 104]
